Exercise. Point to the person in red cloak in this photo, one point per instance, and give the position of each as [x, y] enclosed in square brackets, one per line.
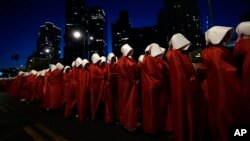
[241, 54]
[44, 97]
[182, 93]
[82, 99]
[66, 83]
[112, 91]
[222, 89]
[73, 91]
[32, 86]
[97, 88]
[128, 97]
[15, 86]
[40, 86]
[107, 97]
[24, 87]
[154, 77]
[54, 90]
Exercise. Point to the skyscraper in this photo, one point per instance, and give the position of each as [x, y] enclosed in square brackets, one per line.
[180, 16]
[85, 31]
[137, 38]
[97, 29]
[141, 38]
[121, 31]
[47, 48]
[76, 32]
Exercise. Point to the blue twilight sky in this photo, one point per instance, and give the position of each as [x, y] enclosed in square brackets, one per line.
[21, 20]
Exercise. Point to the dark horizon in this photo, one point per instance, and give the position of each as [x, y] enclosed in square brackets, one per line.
[21, 20]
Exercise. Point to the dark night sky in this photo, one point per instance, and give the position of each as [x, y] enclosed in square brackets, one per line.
[21, 19]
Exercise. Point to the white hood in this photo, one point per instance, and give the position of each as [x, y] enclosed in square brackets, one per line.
[33, 72]
[84, 62]
[217, 33]
[178, 41]
[95, 58]
[243, 28]
[20, 72]
[26, 74]
[163, 49]
[103, 59]
[78, 61]
[147, 49]
[52, 67]
[73, 64]
[65, 68]
[155, 50]
[38, 73]
[110, 56]
[141, 57]
[59, 66]
[43, 72]
[125, 49]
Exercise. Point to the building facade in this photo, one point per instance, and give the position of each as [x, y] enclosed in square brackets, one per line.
[97, 29]
[75, 30]
[121, 32]
[85, 31]
[180, 16]
[138, 38]
[47, 48]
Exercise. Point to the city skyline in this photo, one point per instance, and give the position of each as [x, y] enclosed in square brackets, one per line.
[22, 19]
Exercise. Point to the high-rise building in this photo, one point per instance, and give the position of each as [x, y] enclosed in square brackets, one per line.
[47, 48]
[138, 38]
[180, 16]
[48, 42]
[141, 38]
[121, 31]
[76, 32]
[97, 31]
[85, 31]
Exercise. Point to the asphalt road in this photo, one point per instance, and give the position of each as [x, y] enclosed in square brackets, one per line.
[20, 121]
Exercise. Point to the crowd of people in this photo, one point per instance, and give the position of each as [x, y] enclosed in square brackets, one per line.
[162, 92]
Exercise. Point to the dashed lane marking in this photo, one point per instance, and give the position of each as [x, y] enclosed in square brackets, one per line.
[49, 132]
[33, 134]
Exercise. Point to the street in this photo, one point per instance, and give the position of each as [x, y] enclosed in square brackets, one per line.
[21, 121]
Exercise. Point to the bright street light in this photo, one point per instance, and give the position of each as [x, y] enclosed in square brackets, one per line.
[47, 50]
[77, 34]
[91, 38]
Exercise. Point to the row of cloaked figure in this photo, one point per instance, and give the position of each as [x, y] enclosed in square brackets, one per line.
[162, 93]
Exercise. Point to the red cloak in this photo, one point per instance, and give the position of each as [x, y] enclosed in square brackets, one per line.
[182, 75]
[82, 94]
[128, 99]
[15, 86]
[55, 89]
[45, 97]
[40, 86]
[242, 56]
[154, 76]
[70, 92]
[24, 88]
[221, 86]
[110, 89]
[66, 86]
[97, 89]
[32, 82]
